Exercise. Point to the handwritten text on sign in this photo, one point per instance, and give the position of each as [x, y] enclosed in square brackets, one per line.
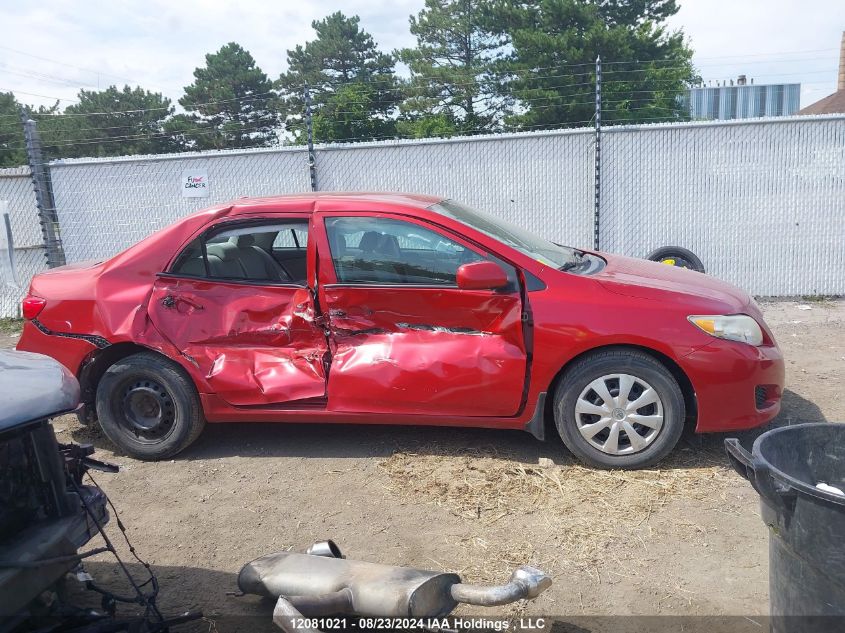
[194, 184]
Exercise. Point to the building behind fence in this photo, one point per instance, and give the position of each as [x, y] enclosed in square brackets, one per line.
[743, 100]
[762, 202]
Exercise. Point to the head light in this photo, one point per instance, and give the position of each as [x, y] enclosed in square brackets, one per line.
[734, 327]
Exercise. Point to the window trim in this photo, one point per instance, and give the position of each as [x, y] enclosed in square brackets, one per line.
[445, 232]
[221, 227]
[231, 280]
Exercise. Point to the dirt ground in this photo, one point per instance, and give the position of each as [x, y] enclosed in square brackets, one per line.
[684, 539]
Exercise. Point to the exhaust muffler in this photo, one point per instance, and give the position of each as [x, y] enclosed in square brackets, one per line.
[323, 582]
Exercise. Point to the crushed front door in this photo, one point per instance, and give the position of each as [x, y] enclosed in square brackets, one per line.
[401, 345]
[255, 344]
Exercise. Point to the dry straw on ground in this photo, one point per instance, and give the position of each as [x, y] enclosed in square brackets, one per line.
[589, 514]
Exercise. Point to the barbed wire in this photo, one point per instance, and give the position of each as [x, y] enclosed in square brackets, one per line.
[610, 115]
[652, 65]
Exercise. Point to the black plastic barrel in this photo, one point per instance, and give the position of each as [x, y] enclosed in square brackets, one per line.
[806, 524]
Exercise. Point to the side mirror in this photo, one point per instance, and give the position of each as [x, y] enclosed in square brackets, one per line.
[481, 276]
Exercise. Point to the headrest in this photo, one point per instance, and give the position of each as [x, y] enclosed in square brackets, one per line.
[369, 241]
[388, 245]
[225, 251]
[243, 241]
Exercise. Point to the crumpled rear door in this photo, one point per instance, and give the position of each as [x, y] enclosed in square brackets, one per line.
[256, 345]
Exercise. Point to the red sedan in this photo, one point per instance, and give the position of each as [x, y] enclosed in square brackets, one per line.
[400, 309]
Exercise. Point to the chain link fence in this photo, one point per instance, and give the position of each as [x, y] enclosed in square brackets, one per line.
[540, 181]
[106, 205]
[761, 201]
[16, 189]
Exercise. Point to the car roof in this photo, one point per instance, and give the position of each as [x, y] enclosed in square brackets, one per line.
[33, 387]
[308, 201]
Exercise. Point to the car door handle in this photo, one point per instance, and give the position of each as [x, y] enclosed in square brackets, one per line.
[340, 314]
[170, 301]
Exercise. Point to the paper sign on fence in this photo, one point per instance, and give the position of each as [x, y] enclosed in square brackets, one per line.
[194, 183]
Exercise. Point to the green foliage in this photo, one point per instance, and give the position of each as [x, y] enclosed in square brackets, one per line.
[353, 87]
[478, 66]
[12, 152]
[10, 326]
[231, 104]
[441, 125]
[110, 122]
[347, 114]
[554, 44]
[455, 81]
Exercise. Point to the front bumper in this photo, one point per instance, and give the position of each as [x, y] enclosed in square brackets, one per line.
[729, 378]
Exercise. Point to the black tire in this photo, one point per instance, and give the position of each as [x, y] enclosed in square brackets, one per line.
[83, 417]
[646, 371]
[677, 256]
[148, 406]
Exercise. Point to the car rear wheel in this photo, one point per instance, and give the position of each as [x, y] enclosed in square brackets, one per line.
[149, 407]
[619, 409]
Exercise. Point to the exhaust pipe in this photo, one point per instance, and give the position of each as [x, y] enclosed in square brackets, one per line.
[323, 582]
[526, 583]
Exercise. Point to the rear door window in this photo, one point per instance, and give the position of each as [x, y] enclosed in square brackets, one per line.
[249, 253]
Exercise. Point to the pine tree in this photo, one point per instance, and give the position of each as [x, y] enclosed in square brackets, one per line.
[110, 122]
[455, 83]
[231, 104]
[554, 46]
[12, 152]
[353, 87]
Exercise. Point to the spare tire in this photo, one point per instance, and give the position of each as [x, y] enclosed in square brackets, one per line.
[677, 256]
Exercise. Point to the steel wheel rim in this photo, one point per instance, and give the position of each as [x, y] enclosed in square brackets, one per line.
[146, 411]
[619, 414]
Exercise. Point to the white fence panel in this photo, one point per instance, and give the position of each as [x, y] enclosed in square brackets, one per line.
[542, 182]
[762, 203]
[16, 189]
[106, 205]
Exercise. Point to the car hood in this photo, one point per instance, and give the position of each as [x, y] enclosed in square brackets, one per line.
[33, 387]
[651, 280]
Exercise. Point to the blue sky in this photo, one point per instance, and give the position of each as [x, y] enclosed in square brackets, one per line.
[54, 47]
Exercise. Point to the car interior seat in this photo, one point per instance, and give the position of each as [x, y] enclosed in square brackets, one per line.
[240, 258]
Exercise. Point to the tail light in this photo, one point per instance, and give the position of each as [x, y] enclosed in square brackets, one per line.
[32, 307]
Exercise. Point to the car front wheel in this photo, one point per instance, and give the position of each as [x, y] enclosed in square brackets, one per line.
[619, 409]
[149, 407]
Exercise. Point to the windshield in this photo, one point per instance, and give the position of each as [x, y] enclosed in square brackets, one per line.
[536, 247]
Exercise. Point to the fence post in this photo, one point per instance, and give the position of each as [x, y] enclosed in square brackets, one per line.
[597, 210]
[47, 215]
[309, 131]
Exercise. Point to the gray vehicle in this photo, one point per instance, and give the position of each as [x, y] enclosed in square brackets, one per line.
[46, 513]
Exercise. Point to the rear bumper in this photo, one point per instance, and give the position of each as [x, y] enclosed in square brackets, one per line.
[70, 352]
[737, 386]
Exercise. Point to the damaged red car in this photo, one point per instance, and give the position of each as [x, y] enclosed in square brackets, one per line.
[400, 309]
